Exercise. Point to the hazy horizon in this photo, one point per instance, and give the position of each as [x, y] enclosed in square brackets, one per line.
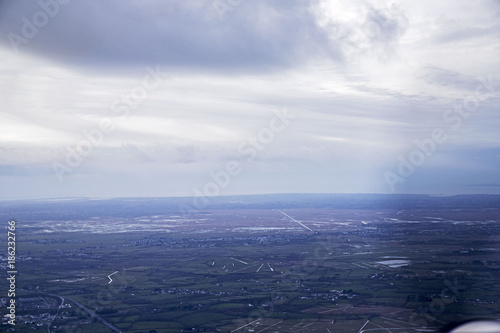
[228, 196]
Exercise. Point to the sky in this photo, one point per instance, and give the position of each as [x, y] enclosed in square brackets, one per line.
[131, 98]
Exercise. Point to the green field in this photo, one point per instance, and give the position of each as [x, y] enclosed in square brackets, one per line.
[387, 274]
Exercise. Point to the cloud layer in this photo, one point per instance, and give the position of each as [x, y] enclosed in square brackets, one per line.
[366, 82]
[192, 35]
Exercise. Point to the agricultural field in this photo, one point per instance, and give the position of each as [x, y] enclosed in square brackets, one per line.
[258, 269]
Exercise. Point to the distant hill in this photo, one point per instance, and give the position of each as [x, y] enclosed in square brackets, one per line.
[80, 208]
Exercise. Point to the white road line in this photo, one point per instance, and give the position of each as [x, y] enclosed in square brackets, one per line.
[259, 268]
[363, 326]
[239, 328]
[109, 277]
[269, 327]
[239, 261]
[294, 220]
[384, 328]
[272, 270]
[244, 268]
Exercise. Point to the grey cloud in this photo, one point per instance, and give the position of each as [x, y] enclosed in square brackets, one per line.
[376, 34]
[466, 33]
[449, 78]
[352, 121]
[256, 35]
[387, 23]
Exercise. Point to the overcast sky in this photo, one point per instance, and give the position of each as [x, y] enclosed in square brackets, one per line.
[274, 96]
